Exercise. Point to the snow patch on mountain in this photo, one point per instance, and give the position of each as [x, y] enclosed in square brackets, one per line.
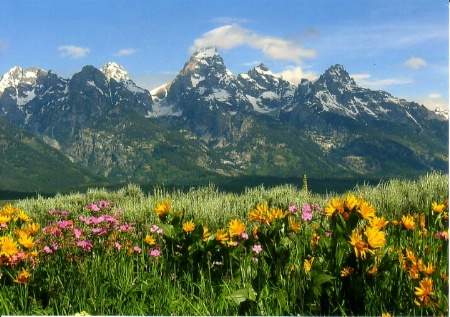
[114, 71]
[29, 95]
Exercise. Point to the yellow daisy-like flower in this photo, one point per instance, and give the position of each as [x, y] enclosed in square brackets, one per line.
[308, 264]
[237, 227]
[20, 233]
[22, 277]
[23, 216]
[437, 207]
[378, 222]
[373, 270]
[8, 210]
[189, 226]
[259, 213]
[425, 287]
[351, 201]
[359, 245]
[427, 269]
[386, 315]
[32, 228]
[206, 233]
[366, 210]
[4, 219]
[278, 213]
[150, 240]
[8, 247]
[346, 271]
[293, 225]
[408, 222]
[26, 241]
[375, 237]
[335, 205]
[222, 236]
[162, 209]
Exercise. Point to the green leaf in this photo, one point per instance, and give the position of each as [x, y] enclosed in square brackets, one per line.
[243, 295]
[169, 230]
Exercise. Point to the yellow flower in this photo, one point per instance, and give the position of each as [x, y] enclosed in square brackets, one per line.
[26, 241]
[375, 237]
[293, 225]
[425, 287]
[346, 271]
[308, 264]
[23, 216]
[373, 270]
[188, 226]
[8, 247]
[237, 227]
[336, 204]
[427, 269]
[359, 245]
[278, 213]
[150, 240]
[386, 315]
[32, 228]
[23, 277]
[437, 207]
[4, 219]
[378, 222]
[20, 233]
[222, 236]
[315, 239]
[259, 213]
[83, 313]
[162, 209]
[206, 233]
[408, 222]
[351, 201]
[366, 210]
[9, 210]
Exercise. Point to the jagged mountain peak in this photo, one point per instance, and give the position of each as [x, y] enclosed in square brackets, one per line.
[337, 73]
[17, 75]
[114, 71]
[205, 53]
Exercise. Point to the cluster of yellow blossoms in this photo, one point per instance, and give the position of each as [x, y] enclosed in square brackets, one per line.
[17, 232]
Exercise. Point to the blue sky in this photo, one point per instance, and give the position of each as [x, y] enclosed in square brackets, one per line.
[398, 46]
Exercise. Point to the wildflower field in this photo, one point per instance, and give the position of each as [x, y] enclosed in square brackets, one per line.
[376, 250]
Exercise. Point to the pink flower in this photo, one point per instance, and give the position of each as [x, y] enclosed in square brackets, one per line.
[64, 224]
[47, 249]
[292, 208]
[86, 245]
[137, 249]
[93, 207]
[306, 216]
[55, 246]
[244, 235]
[64, 213]
[100, 231]
[307, 208]
[257, 248]
[328, 233]
[154, 228]
[118, 246]
[154, 252]
[77, 232]
[53, 211]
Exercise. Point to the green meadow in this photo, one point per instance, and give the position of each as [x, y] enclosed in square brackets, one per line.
[374, 250]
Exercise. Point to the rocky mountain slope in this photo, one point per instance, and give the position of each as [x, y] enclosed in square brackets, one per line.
[209, 122]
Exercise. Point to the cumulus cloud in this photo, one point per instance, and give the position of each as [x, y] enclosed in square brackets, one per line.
[365, 80]
[433, 101]
[415, 63]
[233, 35]
[125, 52]
[295, 74]
[73, 51]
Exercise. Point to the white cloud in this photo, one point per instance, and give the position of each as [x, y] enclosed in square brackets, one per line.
[125, 52]
[365, 80]
[415, 63]
[295, 74]
[233, 35]
[433, 101]
[73, 51]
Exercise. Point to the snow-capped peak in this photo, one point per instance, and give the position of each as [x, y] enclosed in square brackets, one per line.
[17, 75]
[115, 71]
[263, 70]
[205, 53]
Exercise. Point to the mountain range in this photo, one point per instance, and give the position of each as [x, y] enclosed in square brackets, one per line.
[99, 127]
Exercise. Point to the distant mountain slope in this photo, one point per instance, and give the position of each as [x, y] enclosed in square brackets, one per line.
[207, 123]
[29, 164]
